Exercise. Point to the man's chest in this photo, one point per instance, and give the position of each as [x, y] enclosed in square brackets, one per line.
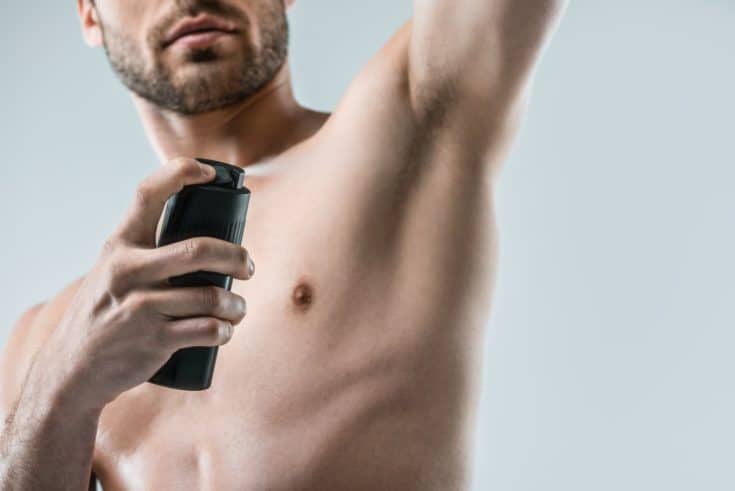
[310, 351]
[340, 331]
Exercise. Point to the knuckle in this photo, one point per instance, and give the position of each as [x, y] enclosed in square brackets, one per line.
[212, 297]
[117, 275]
[124, 313]
[138, 301]
[193, 248]
[115, 288]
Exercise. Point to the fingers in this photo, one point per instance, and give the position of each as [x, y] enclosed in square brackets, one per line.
[203, 316]
[198, 331]
[140, 222]
[196, 254]
[205, 301]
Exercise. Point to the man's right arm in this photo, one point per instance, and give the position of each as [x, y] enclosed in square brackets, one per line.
[110, 334]
[40, 429]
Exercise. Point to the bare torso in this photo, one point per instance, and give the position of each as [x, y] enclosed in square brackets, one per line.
[357, 365]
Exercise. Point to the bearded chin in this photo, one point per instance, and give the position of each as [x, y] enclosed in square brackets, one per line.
[213, 83]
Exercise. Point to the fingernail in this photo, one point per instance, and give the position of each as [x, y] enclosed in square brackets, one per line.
[251, 267]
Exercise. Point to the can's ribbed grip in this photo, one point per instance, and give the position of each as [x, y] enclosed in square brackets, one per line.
[215, 209]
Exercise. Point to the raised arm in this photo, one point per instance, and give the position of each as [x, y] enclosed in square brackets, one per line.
[477, 48]
[476, 56]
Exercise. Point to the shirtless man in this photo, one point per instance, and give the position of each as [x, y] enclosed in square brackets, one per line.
[357, 364]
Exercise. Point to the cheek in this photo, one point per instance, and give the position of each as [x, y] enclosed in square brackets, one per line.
[129, 19]
[125, 11]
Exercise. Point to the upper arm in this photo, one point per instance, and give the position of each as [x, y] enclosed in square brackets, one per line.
[440, 95]
[480, 48]
[470, 62]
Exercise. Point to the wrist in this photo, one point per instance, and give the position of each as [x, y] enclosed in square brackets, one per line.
[67, 391]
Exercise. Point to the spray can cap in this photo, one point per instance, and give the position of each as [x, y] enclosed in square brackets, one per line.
[228, 176]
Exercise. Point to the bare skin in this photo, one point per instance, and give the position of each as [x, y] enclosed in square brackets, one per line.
[357, 363]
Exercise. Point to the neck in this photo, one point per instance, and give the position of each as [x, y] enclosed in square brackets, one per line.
[265, 124]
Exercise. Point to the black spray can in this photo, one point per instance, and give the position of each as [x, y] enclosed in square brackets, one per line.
[214, 209]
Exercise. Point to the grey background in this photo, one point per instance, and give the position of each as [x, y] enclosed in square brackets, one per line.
[608, 361]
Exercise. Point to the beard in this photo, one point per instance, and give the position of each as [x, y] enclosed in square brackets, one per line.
[206, 80]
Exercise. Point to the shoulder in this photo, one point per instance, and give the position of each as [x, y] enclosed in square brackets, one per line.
[27, 335]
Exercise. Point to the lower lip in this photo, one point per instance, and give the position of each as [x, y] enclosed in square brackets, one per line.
[199, 39]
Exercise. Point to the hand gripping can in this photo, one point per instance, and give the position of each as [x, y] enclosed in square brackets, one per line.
[213, 209]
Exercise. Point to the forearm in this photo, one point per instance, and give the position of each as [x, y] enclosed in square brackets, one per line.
[48, 442]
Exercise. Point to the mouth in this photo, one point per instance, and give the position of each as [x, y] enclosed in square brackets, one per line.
[200, 30]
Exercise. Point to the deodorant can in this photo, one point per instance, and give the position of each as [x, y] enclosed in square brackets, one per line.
[213, 209]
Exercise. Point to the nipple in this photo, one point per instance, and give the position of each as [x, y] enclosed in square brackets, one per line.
[303, 295]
